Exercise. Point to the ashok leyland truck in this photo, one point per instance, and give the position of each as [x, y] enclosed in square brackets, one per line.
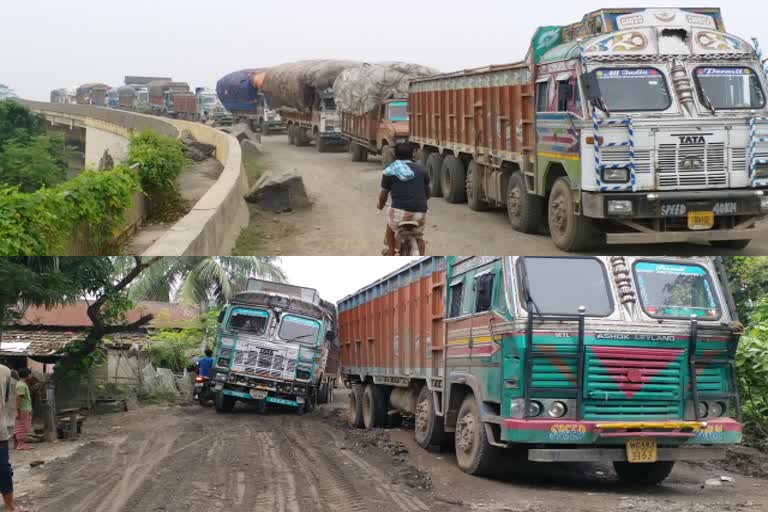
[633, 126]
[274, 343]
[628, 360]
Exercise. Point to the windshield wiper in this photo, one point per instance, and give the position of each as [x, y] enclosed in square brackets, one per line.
[709, 104]
[303, 336]
[530, 303]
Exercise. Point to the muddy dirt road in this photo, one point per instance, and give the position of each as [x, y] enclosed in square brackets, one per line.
[344, 219]
[175, 459]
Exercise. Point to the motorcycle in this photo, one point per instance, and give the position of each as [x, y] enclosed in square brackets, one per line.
[203, 391]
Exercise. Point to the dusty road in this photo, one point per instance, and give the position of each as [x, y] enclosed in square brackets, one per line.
[175, 459]
[344, 219]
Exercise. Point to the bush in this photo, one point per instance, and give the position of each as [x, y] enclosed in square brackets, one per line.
[174, 349]
[35, 164]
[42, 222]
[161, 160]
[752, 363]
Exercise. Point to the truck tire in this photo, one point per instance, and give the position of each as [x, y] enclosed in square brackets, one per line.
[322, 393]
[474, 188]
[570, 231]
[321, 145]
[302, 139]
[421, 157]
[292, 135]
[254, 125]
[374, 407]
[434, 166]
[474, 453]
[524, 209]
[454, 180]
[356, 406]
[643, 474]
[429, 426]
[261, 407]
[224, 404]
[734, 245]
[387, 156]
[359, 153]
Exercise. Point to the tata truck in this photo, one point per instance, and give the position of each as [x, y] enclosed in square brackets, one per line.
[628, 360]
[632, 126]
[241, 93]
[274, 344]
[320, 124]
[376, 132]
[211, 108]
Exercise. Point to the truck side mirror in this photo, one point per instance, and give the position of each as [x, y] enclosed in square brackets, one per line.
[591, 86]
[330, 335]
[221, 315]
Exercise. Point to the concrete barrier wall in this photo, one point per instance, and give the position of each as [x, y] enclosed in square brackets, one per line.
[213, 225]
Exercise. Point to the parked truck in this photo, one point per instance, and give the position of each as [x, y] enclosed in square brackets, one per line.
[92, 94]
[274, 345]
[160, 101]
[304, 90]
[628, 360]
[241, 94]
[211, 108]
[633, 126]
[372, 100]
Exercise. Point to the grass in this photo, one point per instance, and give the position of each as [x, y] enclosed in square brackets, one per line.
[254, 164]
[250, 239]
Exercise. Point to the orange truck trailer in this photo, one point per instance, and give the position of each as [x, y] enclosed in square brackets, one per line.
[376, 132]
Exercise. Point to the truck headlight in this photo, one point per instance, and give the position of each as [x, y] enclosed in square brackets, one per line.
[220, 377]
[716, 409]
[534, 409]
[620, 207]
[557, 409]
[764, 203]
[615, 175]
[703, 409]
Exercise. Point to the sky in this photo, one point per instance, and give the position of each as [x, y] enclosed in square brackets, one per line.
[48, 44]
[335, 277]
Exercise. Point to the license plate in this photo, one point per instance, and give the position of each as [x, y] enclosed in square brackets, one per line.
[258, 394]
[700, 221]
[641, 450]
[219, 387]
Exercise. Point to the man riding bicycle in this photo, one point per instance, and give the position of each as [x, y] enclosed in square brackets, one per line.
[408, 185]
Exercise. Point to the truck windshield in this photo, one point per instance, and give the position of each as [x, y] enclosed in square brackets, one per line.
[587, 285]
[634, 89]
[329, 103]
[209, 100]
[295, 328]
[676, 290]
[398, 111]
[730, 88]
[251, 321]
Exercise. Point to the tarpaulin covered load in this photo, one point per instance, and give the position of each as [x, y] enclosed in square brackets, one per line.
[239, 91]
[294, 85]
[363, 88]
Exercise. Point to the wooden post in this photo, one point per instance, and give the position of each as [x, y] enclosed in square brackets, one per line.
[50, 432]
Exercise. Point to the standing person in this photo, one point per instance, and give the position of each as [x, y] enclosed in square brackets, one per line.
[23, 410]
[205, 364]
[408, 185]
[6, 472]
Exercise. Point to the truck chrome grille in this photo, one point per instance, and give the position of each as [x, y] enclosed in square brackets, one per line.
[251, 358]
[712, 173]
[616, 155]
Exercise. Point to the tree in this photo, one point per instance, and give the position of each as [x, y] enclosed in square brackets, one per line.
[6, 92]
[33, 165]
[203, 280]
[749, 282]
[18, 123]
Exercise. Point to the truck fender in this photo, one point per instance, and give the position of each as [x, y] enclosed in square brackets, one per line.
[459, 385]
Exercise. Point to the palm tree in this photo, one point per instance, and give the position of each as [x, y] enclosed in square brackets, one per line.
[201, 279]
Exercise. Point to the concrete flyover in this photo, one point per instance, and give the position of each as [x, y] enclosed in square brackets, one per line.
[214, 223]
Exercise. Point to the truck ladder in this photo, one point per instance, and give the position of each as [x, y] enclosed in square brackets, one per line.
[578, 356]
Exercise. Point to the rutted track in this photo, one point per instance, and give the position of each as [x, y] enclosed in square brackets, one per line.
[176, 459]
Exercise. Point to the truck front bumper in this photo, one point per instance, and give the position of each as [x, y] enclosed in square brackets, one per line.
[274, 126]
[333, 138]
[663, 216]
[693, 454]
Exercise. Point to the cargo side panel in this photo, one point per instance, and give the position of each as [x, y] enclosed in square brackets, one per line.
[393, 328]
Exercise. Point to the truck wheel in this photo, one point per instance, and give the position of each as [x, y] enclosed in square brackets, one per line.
[570, 231]
[474, 454]
[254, 125]
[356, 406]
[524, 210]
[474, 186]
[421, 157]
[454, 180]
[291, 135]
[735, 245]
[261, 407]
[643, 474]
[321, 145]
[429, 426]
[374, 407]
[302, 139]
[387, 156]
[354, 151]
[322, 393]
[434, 165]
[224, 403]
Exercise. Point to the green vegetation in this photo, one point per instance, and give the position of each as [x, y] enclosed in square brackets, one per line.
[161, 160]
[92, 204]
[254, 164]
[6, 92]
[29, 159]
[174, 349]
